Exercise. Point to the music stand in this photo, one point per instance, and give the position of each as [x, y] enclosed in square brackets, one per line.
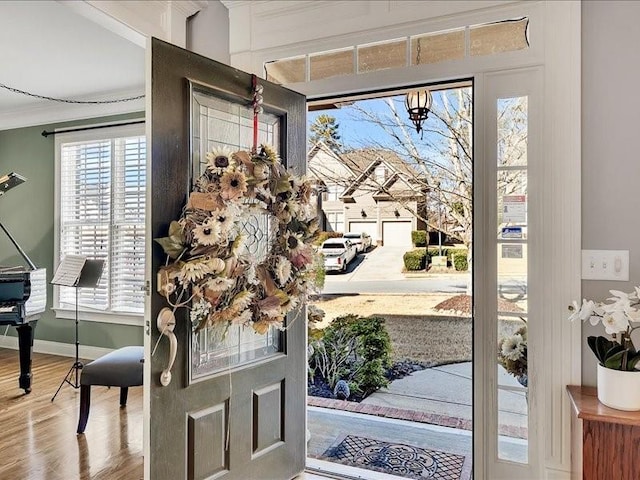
[79, 272]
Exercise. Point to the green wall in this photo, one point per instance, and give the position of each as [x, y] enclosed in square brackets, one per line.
[28, 213]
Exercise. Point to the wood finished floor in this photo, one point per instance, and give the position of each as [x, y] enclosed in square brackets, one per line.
[38, 439]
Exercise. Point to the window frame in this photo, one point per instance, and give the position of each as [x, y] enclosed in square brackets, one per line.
[334, 192]
[97, 132]
[332, 220]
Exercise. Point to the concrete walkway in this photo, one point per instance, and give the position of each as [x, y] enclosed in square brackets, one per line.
[446, 391]
[430, 408]
[440, 396]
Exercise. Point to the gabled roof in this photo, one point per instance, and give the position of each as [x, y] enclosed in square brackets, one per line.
[320, 146]
[362, 164]
[367, 161]
[360, 159]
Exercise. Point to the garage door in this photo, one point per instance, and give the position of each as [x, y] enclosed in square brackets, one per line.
[367, 227]
[397, 234]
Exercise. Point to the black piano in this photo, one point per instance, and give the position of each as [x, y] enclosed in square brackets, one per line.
[23, 296]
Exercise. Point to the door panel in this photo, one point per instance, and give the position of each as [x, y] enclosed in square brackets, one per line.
[243, 420]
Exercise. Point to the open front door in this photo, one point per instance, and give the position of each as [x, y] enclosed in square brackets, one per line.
[234, 408]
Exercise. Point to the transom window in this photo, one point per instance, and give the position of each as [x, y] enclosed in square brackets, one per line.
[434, 47]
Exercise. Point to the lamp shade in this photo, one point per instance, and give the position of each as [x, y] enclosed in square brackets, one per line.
[418, 103]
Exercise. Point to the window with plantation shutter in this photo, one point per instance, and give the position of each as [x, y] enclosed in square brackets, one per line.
[102, 189]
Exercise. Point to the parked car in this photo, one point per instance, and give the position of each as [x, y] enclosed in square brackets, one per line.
[362, 241]
[338, 252]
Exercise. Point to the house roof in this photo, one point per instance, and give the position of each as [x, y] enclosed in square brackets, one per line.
[360, 159]
[366, 161]
[362, 163]
[318, 147]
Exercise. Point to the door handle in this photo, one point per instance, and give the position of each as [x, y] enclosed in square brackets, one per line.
[166, 322]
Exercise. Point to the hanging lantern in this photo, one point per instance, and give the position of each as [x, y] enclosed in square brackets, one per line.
[418, 103]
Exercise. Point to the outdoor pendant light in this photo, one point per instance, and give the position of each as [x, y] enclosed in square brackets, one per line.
[418, 103]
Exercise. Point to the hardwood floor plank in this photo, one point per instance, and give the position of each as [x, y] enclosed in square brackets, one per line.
[38, 437]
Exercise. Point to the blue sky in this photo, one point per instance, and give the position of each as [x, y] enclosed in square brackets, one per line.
[357, 133]
[354, 133]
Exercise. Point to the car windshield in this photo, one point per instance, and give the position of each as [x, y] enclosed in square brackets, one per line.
[351, 235]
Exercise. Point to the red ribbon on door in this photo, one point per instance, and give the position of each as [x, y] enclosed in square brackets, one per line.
[257, 108]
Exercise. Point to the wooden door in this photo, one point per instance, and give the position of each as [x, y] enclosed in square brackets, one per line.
[234, 410]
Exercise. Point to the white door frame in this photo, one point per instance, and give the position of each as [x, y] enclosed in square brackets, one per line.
[264, 31]
[555, 53]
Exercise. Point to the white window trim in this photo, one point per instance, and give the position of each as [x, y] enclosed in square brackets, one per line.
[85, 314]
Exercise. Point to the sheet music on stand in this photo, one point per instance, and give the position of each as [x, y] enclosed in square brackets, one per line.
[78, 271]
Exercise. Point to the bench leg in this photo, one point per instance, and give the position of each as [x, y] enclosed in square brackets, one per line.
[85, 402]
[124, 391]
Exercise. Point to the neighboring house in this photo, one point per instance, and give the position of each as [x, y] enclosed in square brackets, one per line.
[367, 190]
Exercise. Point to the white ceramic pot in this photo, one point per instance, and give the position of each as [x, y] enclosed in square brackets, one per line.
[619, 389]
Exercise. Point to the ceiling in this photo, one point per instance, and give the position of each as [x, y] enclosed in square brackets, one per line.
[53, 49]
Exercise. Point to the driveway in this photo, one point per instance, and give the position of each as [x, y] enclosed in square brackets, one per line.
[381, 263]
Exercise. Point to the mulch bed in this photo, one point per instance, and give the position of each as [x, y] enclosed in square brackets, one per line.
[461, 304]
[319, 388]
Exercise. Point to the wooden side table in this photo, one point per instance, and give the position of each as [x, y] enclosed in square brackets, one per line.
[610, 438]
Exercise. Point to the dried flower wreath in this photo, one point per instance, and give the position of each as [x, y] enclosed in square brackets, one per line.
[209, 268]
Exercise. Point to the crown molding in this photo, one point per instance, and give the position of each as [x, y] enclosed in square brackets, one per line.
[47, 112]
[189, 7]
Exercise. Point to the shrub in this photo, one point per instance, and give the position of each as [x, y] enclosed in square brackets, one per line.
[419, 238]
[435, 251]
[355, 349]
[459, 259]
[322, 236]
[415, 260]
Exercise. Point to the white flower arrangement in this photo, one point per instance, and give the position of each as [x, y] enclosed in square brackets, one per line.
[512, 353]
[617, 314]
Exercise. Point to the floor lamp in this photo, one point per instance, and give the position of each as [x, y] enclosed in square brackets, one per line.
[78, 272]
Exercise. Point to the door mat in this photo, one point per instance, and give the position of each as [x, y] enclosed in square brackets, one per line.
[396, 459]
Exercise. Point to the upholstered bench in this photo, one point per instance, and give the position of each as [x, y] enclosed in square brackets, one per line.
[121, 368]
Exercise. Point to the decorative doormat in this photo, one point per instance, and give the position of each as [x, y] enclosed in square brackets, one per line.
[396, 459]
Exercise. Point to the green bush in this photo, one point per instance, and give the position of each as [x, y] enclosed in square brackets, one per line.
[322, 236]
[459, 257]
[355, 349]
[415, 260]
[435, 251]
[456, 257]
[419, 238]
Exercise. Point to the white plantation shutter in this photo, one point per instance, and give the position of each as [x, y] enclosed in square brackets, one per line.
[102, 208]
[127, 248]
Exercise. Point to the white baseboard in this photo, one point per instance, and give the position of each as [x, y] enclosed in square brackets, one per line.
[57, 348]
[553, 474]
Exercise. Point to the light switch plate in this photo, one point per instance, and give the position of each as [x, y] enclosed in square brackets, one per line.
[605, 265]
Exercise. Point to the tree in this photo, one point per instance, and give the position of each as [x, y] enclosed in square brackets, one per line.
[325, 129]
[440, 162]
[442, 159]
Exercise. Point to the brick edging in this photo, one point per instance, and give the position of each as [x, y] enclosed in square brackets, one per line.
[410, 415]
